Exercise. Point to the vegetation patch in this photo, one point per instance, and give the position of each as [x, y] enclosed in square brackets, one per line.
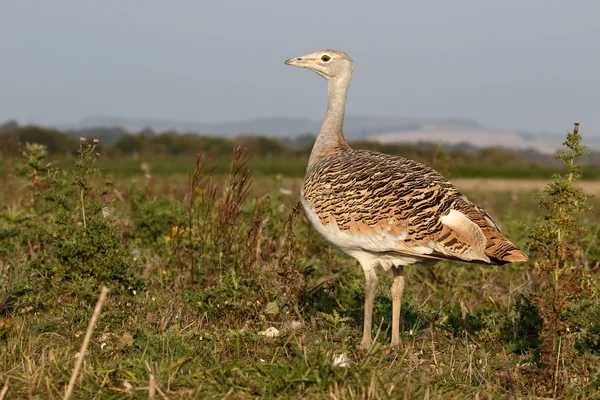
[220, 288]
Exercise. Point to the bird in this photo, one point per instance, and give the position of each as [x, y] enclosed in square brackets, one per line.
[387, 211]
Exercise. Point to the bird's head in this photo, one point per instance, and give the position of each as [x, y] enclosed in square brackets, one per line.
[330, 64]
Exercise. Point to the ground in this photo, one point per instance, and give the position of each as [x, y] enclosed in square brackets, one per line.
[197, 271]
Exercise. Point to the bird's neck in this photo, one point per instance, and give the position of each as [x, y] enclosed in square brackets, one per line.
[331, 137]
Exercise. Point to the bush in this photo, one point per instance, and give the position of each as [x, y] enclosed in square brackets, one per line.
[80, 248]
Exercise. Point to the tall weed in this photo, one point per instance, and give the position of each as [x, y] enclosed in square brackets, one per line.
[563, 284]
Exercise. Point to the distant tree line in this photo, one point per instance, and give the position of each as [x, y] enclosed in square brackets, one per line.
[115, 142]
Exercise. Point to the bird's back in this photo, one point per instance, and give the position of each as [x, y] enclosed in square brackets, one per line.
[398, 209]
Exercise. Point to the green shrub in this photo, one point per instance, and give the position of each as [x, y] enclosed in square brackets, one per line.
[522, 331]
[80, 248]
[154, 219]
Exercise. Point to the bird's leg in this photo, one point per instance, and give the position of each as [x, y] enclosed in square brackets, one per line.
[370, 291]
[397, 290]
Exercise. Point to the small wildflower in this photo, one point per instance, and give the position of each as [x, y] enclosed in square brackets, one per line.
[164, 272]
[106, 198]
[48, 165]
[295, 325]
[96, 141]
[82, 139]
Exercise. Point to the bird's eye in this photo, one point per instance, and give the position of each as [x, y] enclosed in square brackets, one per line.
[325, 58]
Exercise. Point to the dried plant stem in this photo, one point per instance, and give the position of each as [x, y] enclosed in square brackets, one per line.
[375, 339]
[556, 369]
[82, 207]
[86, 341]
[4, 389]
[151, 387]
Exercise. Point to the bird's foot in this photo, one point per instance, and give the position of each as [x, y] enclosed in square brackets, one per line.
[365, 345]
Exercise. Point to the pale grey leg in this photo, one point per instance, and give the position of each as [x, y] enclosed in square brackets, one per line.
[397, 290]
[370, 291]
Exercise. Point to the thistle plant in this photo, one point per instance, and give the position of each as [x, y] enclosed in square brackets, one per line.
[34, 168]
[84, 167]
[554, 242]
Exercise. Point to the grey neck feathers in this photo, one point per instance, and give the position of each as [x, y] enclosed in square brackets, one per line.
[331, 134]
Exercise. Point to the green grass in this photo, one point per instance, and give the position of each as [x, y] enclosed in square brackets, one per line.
[194, 328]
[179, 166]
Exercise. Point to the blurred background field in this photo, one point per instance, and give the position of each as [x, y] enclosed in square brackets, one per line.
[170, 153]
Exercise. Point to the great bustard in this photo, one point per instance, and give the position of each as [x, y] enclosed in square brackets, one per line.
[387, 210]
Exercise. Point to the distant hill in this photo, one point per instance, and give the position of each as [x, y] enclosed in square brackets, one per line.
[356, 127]
[450, 131]
[478, 137]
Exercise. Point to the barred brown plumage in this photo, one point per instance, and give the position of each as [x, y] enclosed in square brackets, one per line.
[387, 210]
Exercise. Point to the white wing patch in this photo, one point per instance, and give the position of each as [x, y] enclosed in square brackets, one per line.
[469, 233]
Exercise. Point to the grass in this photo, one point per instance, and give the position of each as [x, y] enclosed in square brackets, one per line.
[201, 264]
[294, 166]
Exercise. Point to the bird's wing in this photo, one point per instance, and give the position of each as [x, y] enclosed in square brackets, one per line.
[389, 204]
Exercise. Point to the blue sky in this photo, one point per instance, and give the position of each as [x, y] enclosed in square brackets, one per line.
[531, 65]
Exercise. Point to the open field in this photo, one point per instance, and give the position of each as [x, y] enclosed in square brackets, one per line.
[517, 185]
[197, 270]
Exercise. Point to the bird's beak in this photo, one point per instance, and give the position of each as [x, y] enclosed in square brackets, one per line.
[295, 61]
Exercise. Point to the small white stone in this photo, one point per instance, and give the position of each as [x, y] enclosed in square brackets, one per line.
[270, 332]
[340, 360]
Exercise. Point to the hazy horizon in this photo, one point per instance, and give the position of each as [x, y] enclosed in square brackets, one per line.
[512, 65]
